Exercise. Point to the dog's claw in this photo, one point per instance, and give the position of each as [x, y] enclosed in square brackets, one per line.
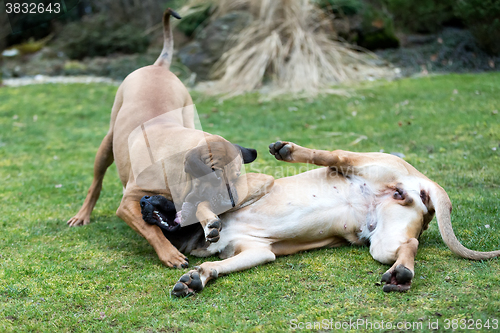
[398, 279]
[78, 221]
[175, 260]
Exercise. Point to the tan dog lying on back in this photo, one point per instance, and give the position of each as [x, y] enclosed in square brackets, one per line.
[359, 198]
[154, 143]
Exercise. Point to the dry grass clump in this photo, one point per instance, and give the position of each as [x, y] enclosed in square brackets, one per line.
[287, 44]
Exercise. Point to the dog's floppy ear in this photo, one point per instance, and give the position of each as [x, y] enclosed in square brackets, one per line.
[193, 164]
[249, 154]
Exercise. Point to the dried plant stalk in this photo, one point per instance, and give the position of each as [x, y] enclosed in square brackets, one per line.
[286, 43]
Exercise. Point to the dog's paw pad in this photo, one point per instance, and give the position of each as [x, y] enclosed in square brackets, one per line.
[188, 284]
[215, 224]
[397, 280]
[181, 290]
[213, 236]
[281, 150]
[212, 231]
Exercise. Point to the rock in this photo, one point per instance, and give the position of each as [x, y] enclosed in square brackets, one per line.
[210, 43]
[10, 53]
[196, 59]
[214, 37]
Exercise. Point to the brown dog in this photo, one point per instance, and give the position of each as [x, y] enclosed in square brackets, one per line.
[359, 198]
[158, 151]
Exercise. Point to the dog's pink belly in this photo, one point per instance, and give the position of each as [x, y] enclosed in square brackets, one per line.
[289, 246]
[315, 220]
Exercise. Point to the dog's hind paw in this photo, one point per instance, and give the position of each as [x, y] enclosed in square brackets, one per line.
[212, 230]
[397, 279]
[282, 150]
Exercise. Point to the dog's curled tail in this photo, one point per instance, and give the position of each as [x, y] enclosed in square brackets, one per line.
[165, 58]
[442, 205]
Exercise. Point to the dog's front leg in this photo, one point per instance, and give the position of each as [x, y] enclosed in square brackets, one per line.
[130, 212]
[195, 280]
[293, 153]
[103, 159]
[399, 276]
[210, 222]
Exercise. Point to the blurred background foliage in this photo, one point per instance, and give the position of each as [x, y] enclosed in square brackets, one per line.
[97, 35]
[482, 17]
[422, 16]
[131, 28]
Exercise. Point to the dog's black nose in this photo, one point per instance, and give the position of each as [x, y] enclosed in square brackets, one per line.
[144, 200]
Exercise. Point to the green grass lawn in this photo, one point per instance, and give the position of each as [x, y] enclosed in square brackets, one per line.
[104, 277]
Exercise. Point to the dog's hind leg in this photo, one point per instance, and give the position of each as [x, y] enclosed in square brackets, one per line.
[195, 280]
[103, 159]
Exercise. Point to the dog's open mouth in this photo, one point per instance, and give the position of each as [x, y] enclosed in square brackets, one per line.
[162, 219]
[159, 211]
[164, 223]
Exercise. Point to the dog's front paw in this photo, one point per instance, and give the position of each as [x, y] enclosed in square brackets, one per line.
[79, 219]
[212, 230]
[172, 258]
[176, 262]
[397, 279]
[282, 150]
[188, 284]
[193, 281]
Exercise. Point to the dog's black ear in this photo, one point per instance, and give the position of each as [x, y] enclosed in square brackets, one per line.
[193, 164]
[249, 154]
